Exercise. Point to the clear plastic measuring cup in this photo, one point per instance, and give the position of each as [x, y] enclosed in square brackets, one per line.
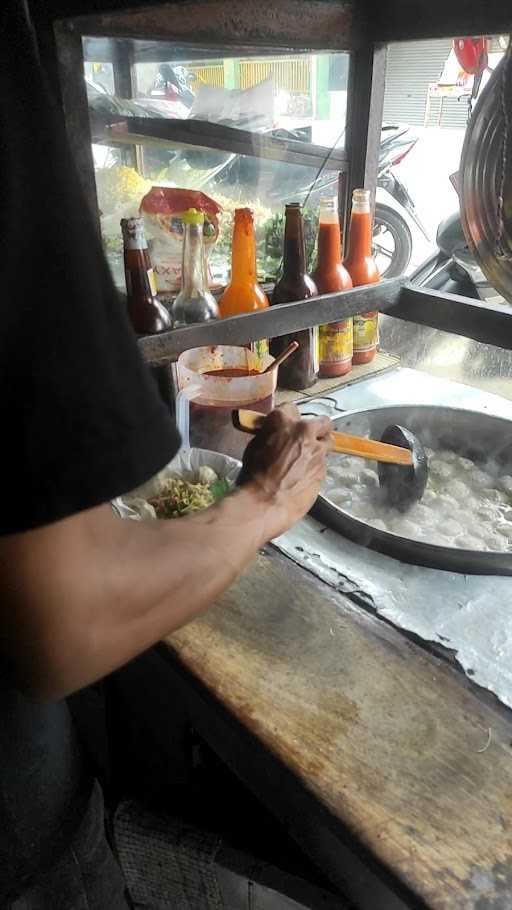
[213, 382]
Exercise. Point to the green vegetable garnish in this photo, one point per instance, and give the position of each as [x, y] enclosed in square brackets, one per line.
[180, 497]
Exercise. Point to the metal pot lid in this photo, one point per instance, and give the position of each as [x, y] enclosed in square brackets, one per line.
[486, 179]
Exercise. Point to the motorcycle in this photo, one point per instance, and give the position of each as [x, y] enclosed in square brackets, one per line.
[452, 269]
[274, 182]
[173, 83]
[282, 182]
[392, 238]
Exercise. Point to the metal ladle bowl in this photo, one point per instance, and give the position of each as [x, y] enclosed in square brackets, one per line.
[403, 486]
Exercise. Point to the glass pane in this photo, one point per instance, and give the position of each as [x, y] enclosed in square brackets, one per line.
[426, 110]
[454, 357]
[294, 104]
[428, 101]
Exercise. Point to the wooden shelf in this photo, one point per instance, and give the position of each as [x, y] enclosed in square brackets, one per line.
[201, 134]
[272, 322]
[325, 387]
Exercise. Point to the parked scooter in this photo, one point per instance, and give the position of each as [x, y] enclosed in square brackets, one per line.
[452, 269]
[173, 83]
[392, 238]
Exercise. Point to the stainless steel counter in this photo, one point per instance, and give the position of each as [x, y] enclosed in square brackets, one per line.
[470, 615]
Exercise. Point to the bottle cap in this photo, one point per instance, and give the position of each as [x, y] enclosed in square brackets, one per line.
[192, 216]
[133, 233]
[131, 225]
[361, 196]
[361, 200]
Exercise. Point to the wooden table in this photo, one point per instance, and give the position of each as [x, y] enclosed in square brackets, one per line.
[374, 753]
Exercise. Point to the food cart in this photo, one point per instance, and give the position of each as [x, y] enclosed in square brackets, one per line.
[364, 700]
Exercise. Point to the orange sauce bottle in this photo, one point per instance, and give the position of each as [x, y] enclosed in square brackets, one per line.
[330, 275]
[362, 269]
[243, 294]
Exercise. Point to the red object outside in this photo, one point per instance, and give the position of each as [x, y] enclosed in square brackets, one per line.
[472, 54]
[402, 155]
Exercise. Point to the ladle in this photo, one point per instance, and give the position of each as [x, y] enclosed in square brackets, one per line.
[403, 486]
[403, 464]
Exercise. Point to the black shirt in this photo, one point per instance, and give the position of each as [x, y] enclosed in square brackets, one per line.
[81, 419]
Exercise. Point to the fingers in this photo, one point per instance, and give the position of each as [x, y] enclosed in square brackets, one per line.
[318, 428]
[289, 411]
[287, 415]
[281, 418]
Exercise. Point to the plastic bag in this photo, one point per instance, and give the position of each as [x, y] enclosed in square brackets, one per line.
[186, 465]
[161, 209]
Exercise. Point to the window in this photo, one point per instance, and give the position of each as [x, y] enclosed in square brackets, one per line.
[427, 105]
[426, 111]
[255, 131]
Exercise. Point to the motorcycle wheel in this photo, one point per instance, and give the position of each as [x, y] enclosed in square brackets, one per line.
[392, 242]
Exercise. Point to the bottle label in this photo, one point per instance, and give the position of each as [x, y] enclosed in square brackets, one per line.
[260, 348]
[152, 282]
[316, 349]
[366, 332]
[336, 343]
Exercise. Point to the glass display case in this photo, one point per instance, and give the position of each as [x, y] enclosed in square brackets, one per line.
[256, 131]
[259, 105]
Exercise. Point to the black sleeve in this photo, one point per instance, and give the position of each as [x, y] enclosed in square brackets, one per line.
[81, 419]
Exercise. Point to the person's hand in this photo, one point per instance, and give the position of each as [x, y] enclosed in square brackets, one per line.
[285, 463]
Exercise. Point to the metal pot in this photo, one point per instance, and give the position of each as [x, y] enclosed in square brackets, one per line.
[475, 435]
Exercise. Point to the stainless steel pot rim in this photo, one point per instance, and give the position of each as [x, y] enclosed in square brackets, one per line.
[366, 530]
[434, 549]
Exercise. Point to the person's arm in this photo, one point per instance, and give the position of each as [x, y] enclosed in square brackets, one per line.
[84, 595]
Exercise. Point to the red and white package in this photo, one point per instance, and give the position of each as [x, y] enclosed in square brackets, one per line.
[162, 209]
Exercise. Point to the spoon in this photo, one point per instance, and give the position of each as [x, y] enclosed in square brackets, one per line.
[282, 357]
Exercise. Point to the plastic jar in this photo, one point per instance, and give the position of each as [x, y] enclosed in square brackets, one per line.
[207, 397]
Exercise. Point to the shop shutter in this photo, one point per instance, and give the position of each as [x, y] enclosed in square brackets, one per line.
[410, 67]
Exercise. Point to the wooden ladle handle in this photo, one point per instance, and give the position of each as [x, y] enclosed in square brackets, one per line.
[248, 421]
[344, 443]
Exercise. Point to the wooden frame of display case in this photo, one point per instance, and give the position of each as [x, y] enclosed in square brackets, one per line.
[327, 25]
